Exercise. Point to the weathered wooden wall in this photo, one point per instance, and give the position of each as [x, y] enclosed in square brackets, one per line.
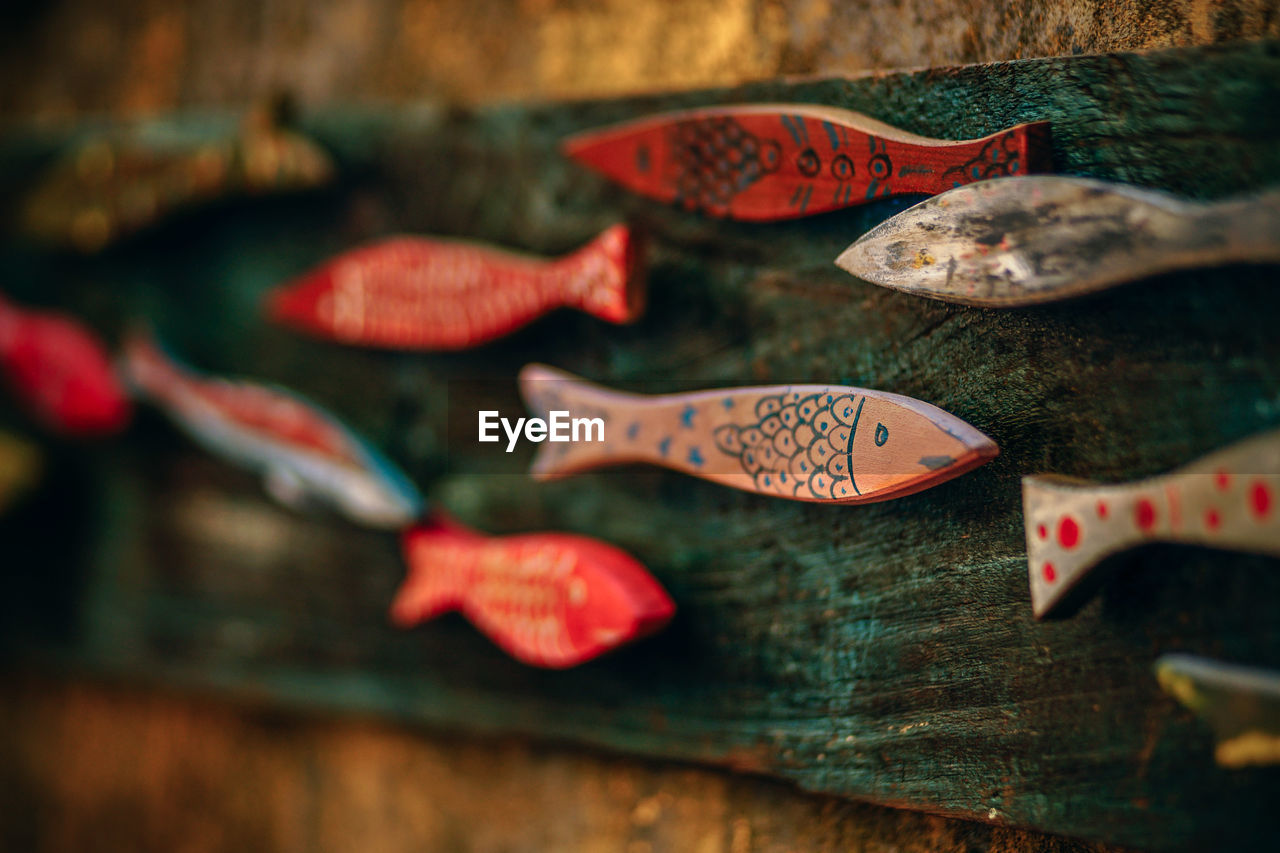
[797, 632]
[884, 652]
[90, 768]
[79, 56]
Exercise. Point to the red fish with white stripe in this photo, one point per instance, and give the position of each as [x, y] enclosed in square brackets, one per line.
[305, 455]
[553, 600]
[416, 293]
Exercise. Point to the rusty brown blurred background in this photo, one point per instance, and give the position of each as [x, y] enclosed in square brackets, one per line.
[67, 58]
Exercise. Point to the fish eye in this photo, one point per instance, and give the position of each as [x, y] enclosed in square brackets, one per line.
[882, 434]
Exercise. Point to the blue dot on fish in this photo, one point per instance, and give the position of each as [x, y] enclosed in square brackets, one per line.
[695, 457]
[664, 446]
[686, 417]
[633, 430]
[727, 402]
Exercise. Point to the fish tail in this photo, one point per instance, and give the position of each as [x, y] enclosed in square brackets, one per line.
[438, 552]
[553, 394]
[146, 367]
[605, 278]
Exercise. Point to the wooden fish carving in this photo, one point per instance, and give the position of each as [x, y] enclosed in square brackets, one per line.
[763, 162]
[305, 455]
[1240, 704]
[1037, 239]
[824, 443]
[548, 599]
[429, 294]
[1225, 500]
[110, 188]
[61, 372]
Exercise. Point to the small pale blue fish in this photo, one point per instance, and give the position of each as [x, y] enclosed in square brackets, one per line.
[305, 455]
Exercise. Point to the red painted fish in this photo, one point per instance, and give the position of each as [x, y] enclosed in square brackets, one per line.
[427, 294]
[761, 162]
[61, 372]
[548, 599]
[305, 455]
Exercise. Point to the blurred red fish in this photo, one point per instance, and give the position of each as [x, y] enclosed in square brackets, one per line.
[61, 372]
[426, 294]
[548, 599]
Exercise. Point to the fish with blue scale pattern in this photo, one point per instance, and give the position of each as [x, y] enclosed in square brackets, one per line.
[822, 443]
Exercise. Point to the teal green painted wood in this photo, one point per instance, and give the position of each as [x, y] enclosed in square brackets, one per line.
[884, 652]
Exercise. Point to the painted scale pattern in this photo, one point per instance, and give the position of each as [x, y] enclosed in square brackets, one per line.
[61, 372]
[303, 451]
[805, 442]
[548, 599]
[428, 294]
[779, 161]
[1228, 499]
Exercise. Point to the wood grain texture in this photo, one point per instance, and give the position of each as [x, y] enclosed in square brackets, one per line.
[81, 57]
[1228, 499]
[88, 766]
[1040, 239]
[886, 653]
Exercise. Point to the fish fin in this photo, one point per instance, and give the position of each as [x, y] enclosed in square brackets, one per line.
[145, 366]
[436, 580]
[545, 390]
[287, 487]
[605, 278]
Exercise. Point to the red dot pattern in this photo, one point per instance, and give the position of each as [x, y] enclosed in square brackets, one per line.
[1050, 574]
[1068, 532]
[1260, 500]
[1212, 519]
[1103, 509]
[1042, 532]
[1145, 515]
[1222, 480]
